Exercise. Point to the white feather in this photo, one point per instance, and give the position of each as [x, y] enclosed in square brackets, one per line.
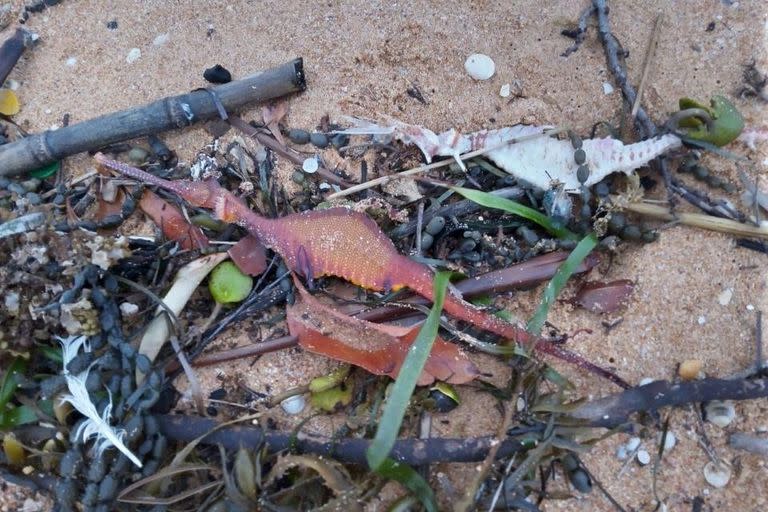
[94, 425]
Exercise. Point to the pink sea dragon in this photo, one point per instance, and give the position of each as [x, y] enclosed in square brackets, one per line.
[541, 161]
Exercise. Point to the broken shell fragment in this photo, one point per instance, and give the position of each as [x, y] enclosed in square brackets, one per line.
[721, 413]
[505, 91]
[479, 66]
[717, 475]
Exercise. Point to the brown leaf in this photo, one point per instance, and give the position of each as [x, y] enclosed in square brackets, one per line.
[172, 222]
[249, 255]
[600, 297]
[272, 114]
[380, 349]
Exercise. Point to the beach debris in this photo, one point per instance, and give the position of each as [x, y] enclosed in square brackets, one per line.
[719, 123]
[217, 74]
[294, 404]
[95, 425]
[720, 412]
[479, 66]
[298, 136]
[22, 224]
[228, 285]
[188, 278]
[601, 297]
[539, 160]
[133, 55]
[690, 369]
[334, 242]
[380, 349]
[172, 222]
[310, 165]
[717, 474]
[9, 103]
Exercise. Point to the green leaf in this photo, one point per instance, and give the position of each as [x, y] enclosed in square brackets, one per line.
[727, 122]
[557, 283]
[411, 480]
[507, 205]
[395, 406]
[20, 415]
[8, 387]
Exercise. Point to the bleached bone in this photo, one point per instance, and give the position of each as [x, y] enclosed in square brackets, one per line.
[542, 162]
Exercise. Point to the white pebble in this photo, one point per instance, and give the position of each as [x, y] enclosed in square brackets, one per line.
[505, 91]
[133, 55]
[12, 302]
[669, 441]
[607, 88]
[720, 412]
[293, 404]
[645, 381]
[310, 165]
[717, 475]
[702, 320]
[479, 66]
[643, 457]
[633, 444]
[128, 308]
[71, 62]
[725, 297]
[750, 307]
[161, 40]
[621, 452]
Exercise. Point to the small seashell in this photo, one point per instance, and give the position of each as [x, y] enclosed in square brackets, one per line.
[720, 413]
[669, 441]
[133, 55]
[505, 91]
[717, 475]
[643, 457]
[310, 165]
[633, 444]
[607, 88]
[479, 66]
[293, 404]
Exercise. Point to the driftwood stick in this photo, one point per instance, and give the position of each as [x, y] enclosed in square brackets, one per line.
[166, 114]
[614, 410]
[12, 49]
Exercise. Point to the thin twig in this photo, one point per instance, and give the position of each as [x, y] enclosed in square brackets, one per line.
[649, 55]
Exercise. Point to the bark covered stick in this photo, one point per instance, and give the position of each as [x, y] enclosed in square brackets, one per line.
[166, 114]
[12, 49]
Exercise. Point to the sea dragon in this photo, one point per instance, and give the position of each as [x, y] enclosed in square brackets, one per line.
[347, 244]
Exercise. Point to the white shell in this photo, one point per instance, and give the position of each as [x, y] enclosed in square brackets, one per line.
[643, 457]
[293, 404]
[720, 413]
[505, 91]
[479, 66]
[310, 165]
[717, 475]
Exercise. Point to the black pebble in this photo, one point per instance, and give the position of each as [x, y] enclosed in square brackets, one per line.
[617, 222]
[602, 189]
[218, 394]
[631, 233]
[319, 140]
[580, 480]
[527, 234]
[580, 156]
[576, 141]
[340, 140]
[426, 241]
[700, 172]
[298, 136]
[435, 225]
[218, 74]
[582, 173]
[112, 25]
